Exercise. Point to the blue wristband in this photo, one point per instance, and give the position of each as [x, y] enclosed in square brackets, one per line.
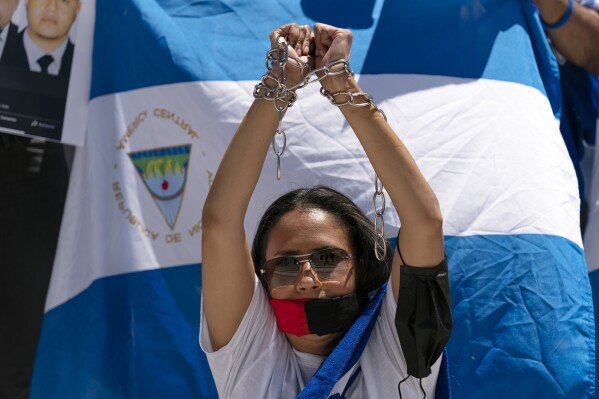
[562, 20]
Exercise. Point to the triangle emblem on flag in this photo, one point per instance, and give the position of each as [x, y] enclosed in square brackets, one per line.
[164, 173]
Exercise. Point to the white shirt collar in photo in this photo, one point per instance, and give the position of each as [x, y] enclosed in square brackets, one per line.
[34, 53]
[3, 37]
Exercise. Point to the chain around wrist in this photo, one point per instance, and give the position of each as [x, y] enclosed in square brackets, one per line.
[269, 89]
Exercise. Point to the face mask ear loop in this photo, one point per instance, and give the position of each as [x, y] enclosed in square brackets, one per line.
[399, 386]
[421, 388]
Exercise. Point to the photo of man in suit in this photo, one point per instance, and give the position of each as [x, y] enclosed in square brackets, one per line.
[8, 30]
[44, 46]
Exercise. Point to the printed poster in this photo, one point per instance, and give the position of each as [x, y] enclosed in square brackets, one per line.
[45, 68]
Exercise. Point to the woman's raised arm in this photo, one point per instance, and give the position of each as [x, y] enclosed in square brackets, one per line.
[227, 268]
[421, 238]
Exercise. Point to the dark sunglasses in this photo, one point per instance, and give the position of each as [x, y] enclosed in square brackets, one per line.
[329, 264]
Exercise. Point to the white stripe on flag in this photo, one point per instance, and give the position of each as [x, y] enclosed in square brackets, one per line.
[491, 150]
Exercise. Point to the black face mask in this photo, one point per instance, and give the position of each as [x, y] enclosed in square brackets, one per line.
[423, 317]
[318, 316]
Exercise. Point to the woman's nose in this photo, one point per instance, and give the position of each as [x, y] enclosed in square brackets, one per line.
[307, 278]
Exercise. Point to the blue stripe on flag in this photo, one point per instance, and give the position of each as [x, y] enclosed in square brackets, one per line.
[517, 325]
[128, 336]
[523, 325]
[177, 41]
[455, 38]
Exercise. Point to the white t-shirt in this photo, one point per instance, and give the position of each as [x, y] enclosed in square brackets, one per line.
[259, 361]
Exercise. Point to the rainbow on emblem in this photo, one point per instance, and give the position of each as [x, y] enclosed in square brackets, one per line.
[164, 173]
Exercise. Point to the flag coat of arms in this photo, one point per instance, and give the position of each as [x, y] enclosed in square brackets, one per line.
[470, 86]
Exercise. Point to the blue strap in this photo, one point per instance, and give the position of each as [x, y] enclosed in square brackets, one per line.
[346, 353]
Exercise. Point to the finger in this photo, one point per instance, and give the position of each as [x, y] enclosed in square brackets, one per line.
[293, 35]
[307, 40]
[302, 47]
[299, 46]
[280, 32]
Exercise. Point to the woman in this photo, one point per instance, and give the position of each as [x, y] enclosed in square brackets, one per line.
[313, 250]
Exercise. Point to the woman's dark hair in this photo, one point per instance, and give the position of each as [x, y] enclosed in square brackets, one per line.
[371, 273]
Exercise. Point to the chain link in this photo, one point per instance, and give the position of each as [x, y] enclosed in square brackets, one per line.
[341, 98]
[278, 153]
[380, 243]
[284, 97]
[281, 98]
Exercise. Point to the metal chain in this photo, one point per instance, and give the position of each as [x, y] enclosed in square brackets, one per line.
[284, 97]
[380, 243]
[279, 56]
[264, 91]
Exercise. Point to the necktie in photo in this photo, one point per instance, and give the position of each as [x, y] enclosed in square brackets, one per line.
[44, 62]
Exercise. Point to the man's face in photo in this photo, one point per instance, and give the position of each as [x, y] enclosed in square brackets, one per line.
[7, 9]
[51, 19]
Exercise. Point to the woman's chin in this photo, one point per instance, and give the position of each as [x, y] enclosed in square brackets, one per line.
[315, 344]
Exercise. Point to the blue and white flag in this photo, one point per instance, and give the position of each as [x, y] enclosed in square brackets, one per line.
[471, 88]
